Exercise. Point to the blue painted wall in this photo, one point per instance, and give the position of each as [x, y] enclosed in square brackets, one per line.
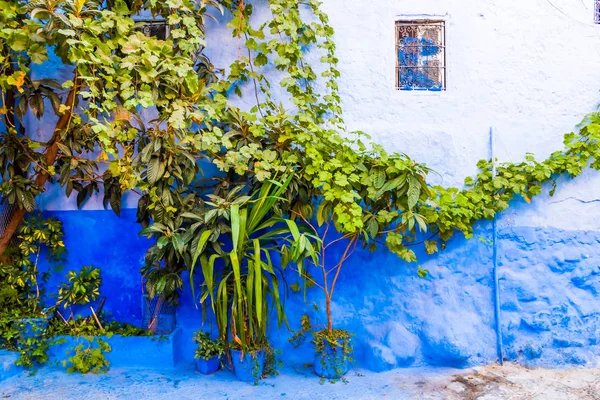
[549, 280]
[102, 239]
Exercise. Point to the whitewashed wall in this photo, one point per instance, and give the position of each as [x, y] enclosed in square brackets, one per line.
[521, 66]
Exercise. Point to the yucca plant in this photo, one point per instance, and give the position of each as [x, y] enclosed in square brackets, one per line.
[244, 292]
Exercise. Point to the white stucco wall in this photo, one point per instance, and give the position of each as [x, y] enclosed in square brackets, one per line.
[520, 66]
[528, 68]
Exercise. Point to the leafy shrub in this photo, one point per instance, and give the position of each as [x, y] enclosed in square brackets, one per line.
[89, 356]
[207, 347]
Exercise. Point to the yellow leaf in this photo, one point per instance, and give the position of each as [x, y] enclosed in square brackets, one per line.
[62, 109]
[17, 79]
[237, 340]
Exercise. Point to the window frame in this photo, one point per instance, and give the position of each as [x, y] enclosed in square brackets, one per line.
[417, 20]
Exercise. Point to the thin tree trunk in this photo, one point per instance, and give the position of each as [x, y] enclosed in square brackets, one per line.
[329, 318]
[153, 325]
[326, 286]
[42, 177]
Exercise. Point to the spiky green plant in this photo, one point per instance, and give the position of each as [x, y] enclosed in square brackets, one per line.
[244, 292]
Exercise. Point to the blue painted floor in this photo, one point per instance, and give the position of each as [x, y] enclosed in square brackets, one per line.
[491, 382]
[293, 383]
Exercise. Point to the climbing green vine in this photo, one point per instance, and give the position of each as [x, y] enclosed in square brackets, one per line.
[486, 194]
[361, 187]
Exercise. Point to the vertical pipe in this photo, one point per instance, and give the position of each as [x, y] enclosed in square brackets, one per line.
[495, 263]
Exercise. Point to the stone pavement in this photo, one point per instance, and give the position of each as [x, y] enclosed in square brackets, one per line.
[510, 382]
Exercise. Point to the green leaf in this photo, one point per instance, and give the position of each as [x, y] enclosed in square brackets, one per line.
[115, 201]
[373, 227]
[431, 246]
[293, 229]
[162, 242]
[200, 246]
[379, 178]
[414, 190]
[26, 199]
[235, 226]
[156, 170]
[321, 214]
[258, 282]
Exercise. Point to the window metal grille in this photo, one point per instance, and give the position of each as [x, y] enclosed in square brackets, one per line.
[597, 12]
[153, 28]
[158, 315]
[6, 213]
[421, 55]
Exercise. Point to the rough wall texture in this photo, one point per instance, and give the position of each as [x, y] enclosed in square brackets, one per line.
[549, 281]
[523, 67]
[549, 284]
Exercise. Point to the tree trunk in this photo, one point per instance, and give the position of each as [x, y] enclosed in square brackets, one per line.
[42, 176]
[329, 319]
[153, 325]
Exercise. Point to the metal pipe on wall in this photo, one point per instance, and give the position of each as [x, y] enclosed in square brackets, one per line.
[499, 347]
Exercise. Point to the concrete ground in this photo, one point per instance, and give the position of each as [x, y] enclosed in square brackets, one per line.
[510, 382]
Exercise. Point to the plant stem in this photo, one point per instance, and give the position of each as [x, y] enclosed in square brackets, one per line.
[350, 247]
[329, 318]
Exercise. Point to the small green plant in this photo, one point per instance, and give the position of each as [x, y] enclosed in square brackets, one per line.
[207, 347]
[270, 365]
[89, 356]
[336, 339]
[32, 344]
[82, 287]
[326, 343]
[80, 326]
[272, 361]
[23, 315]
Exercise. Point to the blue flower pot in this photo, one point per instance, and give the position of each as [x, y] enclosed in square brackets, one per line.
[250, 367]
[331, 363]
[209, 366]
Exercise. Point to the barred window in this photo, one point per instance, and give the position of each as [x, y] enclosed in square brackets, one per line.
[153, 28]
[421, 55]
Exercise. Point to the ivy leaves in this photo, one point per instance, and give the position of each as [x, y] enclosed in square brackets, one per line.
[488, 195]
[414, 190]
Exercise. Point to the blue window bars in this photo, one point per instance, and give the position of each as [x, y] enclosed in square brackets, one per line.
[421, 55]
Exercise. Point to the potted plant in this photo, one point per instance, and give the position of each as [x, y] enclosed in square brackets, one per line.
[333, 347]
[208, 353]
[243, 293]
[162, 274]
